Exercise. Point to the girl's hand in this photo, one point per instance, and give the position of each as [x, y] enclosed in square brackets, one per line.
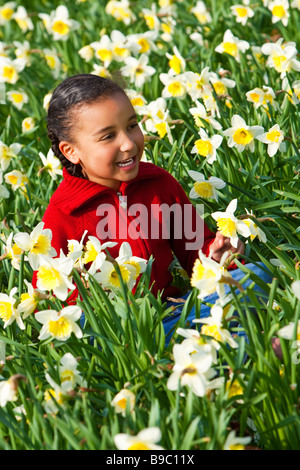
[222, 244]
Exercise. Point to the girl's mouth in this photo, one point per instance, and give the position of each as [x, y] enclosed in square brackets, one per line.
[128, 163]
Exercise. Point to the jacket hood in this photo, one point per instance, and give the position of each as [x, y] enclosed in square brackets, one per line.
[74, 192]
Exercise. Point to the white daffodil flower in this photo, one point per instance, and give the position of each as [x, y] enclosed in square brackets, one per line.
[232, 45]
[138, 70]
[213, 326]
[273, 138]
[208, 276]
[8, 310]
[174, 86]
[6, 12]
[57, 395]
[7, 152]
[205, 188]
[241, 135]
[94, 253]
[207, 146]
[282, 56]
[234, 442]
[8, 391]
[51, 164]
[37, 243]
[144, 440]
[177, 63]
[229, 225]
[200, 114]
[242, 12]
[54, 274]
[17, 98]
[10, 69]
[59, 325]
[13, 252]
[121, 11]
[191, 370]
[68, 373]
[280, 11]
[121, 399]
[29, 301]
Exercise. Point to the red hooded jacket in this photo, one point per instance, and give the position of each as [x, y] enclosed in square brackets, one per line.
[151, 212]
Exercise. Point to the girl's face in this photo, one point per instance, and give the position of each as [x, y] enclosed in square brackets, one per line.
[108, 142]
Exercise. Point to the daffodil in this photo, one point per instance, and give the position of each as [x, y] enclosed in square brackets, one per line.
[234, 442]
[123, 399]
[68, 372]
[198, 85]
[23, 51]
[144, 440]
[59, 325]
[54, 274]
[207, 146]
[213, 326]
[242, 135]
[51, 164]
[142, 43]
[282, 56]
[53, 61]
[157, 119]
[120, 10]
[229, 225]
[273, 138]
[232, 45]
[191, 370]
[86, 52]
[10, 69]
[4, 193]
[174, 86]
[37, 243]
[255, 230]
[177, 63]
[205, 188]
[221, 84]
[200, 114]
[17, 98]
[126, 258]
[264, 97]
[194, 342]
[29, 301]
[8, 310]
[138, 70]
[103, 50]
[6, 12]
[55, 396]
[8, 390]
[119, 46]
[242, 12]
[58, 23]
[137, 100]
[23, 20]
[151, 18]
[95, 253]
[12, 252]
[280, 11]
[16, 179]
[201, 12]
[7, 152]
[28, 124]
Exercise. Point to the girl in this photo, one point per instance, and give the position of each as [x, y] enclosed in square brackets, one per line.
[107, 190]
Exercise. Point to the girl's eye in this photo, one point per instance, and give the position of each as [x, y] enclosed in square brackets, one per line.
[133, 125]
[107, 137]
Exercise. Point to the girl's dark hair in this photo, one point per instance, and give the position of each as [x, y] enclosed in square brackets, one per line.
[73, 92]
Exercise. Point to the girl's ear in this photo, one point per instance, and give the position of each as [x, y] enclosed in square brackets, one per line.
[69, 151]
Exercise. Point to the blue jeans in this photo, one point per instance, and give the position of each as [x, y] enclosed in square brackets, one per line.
[170, 322]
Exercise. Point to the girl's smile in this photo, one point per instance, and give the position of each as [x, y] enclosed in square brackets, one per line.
[107, 141]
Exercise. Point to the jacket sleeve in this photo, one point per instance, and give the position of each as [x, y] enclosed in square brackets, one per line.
[190, 232]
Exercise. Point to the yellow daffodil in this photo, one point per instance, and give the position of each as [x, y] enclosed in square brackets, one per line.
[54, 274]
[229, 225]
[122, 399]
[126, 258]
[95, 253]
[177, 63]
[29, 301]
[144, 440]
[213, 326]
[53, 61]
[280, 11]
[191, 370]
[58, 23]
[242, 135]
[37, 243]
[12, 251]
[264, 97]
[208, 276]
[201, 12]
[138, 70]
[6, 12]
[151, 18]
[200, 114]
[232, 45]
[28, 124]
[59, 325]
[8, 390]
[23, 51]
[205, 188]
[7, 152]
[282, 56]
[8, 310]
[242, 12]
[235, 443]
[273, 138]
[56, 395]
[174, 86]
[86, 52]
[194, 342]
[142, 43]
[207, 146]
[16, 179]
[254, 229]
[17, 98]
[120, 10]
[10, 69]
[198, 85]
[22, 19]
[68, 373]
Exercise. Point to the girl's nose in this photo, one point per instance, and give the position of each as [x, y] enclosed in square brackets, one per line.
[127, 143]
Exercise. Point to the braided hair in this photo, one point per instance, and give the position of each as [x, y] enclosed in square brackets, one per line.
[67, 98]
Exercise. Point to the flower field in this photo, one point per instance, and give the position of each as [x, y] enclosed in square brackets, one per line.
[216, 87]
